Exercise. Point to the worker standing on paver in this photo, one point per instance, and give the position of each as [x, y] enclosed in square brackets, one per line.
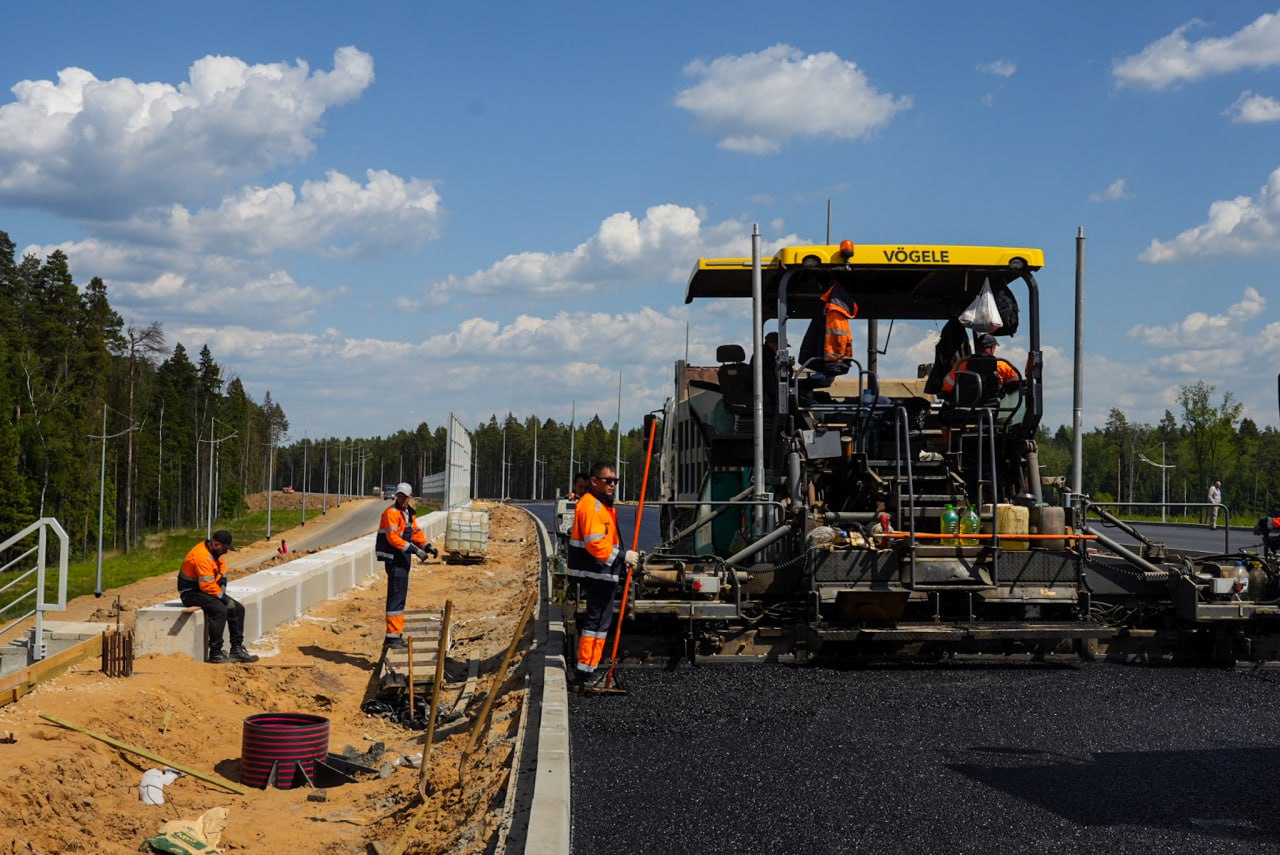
[399, 537]
[596, 561]
[202, 581]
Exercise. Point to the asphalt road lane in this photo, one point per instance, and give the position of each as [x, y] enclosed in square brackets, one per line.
[627, 513]
[1198, 538]
[985, 758]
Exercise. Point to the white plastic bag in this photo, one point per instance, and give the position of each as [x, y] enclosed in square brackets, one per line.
[983, 315]
[151, 787]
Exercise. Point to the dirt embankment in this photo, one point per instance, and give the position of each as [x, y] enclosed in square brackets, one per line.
[65, 792]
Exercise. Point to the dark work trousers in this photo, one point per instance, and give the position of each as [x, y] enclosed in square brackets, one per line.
[595, 626]
[218, 614]
[397, 593]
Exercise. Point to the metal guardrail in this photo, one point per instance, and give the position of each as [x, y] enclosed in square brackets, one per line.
[38, 588]
[1226, 513]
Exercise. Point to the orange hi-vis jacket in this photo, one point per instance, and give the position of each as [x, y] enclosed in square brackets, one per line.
[396, 530]
[837, 344]
[595, 550]
[201, 571]
[1006, 372]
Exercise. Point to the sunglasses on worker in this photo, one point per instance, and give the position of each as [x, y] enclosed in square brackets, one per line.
[606, 480]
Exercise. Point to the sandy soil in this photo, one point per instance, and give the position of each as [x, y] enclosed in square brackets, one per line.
[65, 792]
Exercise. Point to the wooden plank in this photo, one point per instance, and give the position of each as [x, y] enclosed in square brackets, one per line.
[142, 752]
[24, 680]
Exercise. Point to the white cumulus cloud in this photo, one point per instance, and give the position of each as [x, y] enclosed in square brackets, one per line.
[1115, 191]
[1242, 226]
[100, 148]
[757, 102]
[1174, 58]
[1251, 109]
[179, 286]
[1200, 330]
[624, 251]
[338, 215]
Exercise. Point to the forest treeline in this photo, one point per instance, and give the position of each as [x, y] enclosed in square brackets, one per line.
[182, 434]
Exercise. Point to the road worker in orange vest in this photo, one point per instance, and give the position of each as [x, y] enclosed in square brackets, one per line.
[596, 561]
[399, 537]
[202, 581]
[837, 341]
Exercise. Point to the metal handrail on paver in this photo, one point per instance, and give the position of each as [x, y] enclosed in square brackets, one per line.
[41, 526]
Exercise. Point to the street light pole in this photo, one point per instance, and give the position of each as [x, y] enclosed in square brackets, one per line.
[1164, 478]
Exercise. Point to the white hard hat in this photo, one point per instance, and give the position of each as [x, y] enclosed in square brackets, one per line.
[402, 487]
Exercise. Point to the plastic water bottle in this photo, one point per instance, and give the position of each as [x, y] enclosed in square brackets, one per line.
[950, 524]
[969, 524]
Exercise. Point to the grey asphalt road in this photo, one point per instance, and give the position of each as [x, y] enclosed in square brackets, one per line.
[321, 534]
[1199, 538]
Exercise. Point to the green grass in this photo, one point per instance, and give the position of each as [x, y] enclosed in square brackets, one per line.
[161, 557]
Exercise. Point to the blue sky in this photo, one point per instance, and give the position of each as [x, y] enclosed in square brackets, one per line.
[388, 212]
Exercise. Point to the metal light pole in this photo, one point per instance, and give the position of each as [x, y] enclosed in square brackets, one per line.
[502, 477]
[271, 472]
[617, 451]
[1164, 478]
[1077, 437]
[304, 478]
[102, 490]
[324, 501]
[573, 412]
[533, 482]
[213, 442]
[102, 496]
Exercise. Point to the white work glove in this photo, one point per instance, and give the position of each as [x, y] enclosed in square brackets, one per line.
[632, 558]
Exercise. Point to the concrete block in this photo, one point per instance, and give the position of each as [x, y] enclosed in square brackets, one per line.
[165, 628]
[344, 570]
[280, 599]
[313, 581]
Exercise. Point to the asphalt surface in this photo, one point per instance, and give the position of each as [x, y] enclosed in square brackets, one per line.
[546, 511]
[994, 756]
[1198, 538]
[983, 758]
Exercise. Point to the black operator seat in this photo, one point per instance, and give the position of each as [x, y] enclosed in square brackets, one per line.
[734, 375]
[977, 388]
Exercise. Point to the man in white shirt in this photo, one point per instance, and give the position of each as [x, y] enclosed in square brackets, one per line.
[1215, 497]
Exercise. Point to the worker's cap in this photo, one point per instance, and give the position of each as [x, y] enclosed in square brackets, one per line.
[771, 338]
[402, 487]
[984, 340]
[224, 537]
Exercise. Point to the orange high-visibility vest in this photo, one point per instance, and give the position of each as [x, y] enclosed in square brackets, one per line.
[837, 344]
[595, 549]
[396, 530]
[200, 571]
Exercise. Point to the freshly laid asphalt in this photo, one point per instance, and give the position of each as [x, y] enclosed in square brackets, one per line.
[984, 758]
[990, 756]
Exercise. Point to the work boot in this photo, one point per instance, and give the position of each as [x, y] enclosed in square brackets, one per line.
[239, 654]
[394, 643]
[217, 657]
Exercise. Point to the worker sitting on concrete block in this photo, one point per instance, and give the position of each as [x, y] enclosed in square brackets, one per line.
[202, 581]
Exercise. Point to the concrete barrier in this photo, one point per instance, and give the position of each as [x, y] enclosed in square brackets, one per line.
[271, 596]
